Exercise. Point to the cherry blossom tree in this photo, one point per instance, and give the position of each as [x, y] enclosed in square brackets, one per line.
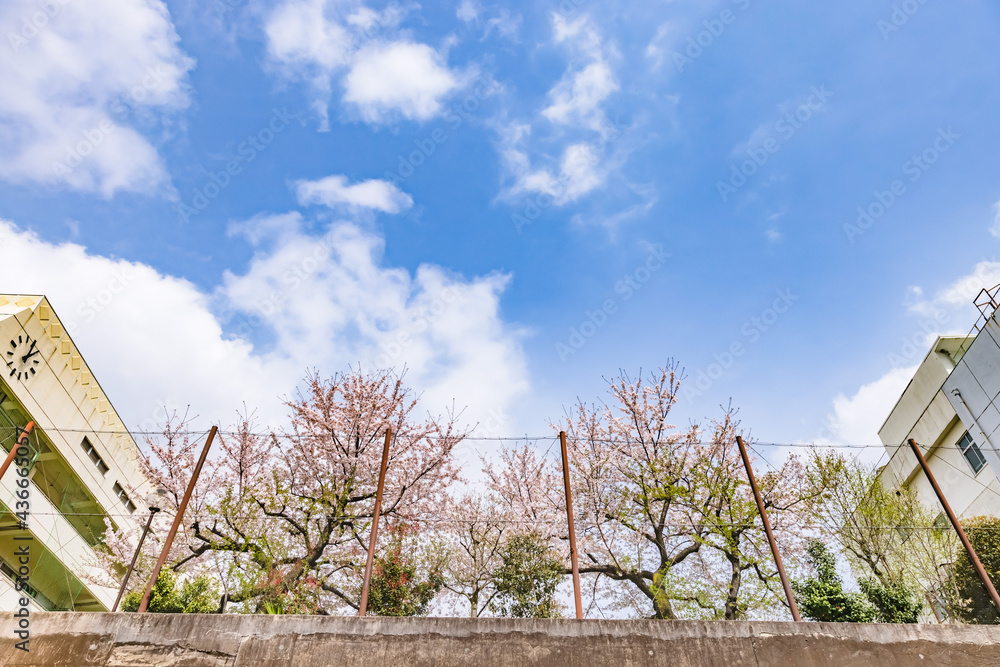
[734, 540]
[664, 512]
[289, 512]
[475, 529]
[173, 453]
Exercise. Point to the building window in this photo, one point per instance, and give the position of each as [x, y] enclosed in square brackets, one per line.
[95, 457]
[971, 452]
[122, 496]
[11, 574]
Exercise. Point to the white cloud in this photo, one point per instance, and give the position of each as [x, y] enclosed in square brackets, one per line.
[70, 99]
[577, 98]
[573, 119]
[334, 191]
[398, 78]
[856, 420]
[472, 14]
[958, 298]
[579, 173]
[666, 35]
[316, 301]
[299, 34]
[468, 11]
[385, 75]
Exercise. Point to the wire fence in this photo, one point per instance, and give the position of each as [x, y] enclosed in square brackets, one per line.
[551, 524]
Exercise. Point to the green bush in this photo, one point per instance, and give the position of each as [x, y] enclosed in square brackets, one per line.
[893, 601]
[527, 578]
[197, 596]
[395, 589]
[822, 598]
[974, 604]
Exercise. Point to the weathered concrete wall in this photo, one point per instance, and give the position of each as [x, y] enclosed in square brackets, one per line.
[84, 639]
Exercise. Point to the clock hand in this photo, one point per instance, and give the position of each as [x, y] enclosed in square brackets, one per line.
[30, 354]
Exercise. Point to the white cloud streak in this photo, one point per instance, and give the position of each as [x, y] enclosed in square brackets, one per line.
[334, 191]
[573, 119]
[385, 75]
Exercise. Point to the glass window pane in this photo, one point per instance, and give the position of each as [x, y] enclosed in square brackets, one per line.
[971, 452]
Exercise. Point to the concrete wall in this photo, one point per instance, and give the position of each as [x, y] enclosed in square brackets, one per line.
[77, 639]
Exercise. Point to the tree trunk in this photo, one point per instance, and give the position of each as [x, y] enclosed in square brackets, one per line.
[732, 601]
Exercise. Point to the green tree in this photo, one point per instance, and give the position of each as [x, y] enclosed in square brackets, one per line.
[195, 596]
[823, 598]
[395, 588]
[974, 604]
[885, 533]
[527, 578]
[894, 602]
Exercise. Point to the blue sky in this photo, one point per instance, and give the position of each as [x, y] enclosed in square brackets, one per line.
[512, 199]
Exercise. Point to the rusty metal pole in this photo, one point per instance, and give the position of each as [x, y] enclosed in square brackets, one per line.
[572, 529]
[767, 529]
[980, 570]
[21, 442]
[363, 607]
[135, 557]
[177, 523]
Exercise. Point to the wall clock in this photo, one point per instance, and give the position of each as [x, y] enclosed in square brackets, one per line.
[22, 357]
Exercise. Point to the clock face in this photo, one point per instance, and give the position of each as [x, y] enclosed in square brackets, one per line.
[22, 357]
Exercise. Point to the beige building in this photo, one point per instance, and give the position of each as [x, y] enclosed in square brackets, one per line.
[85, 464]
[950, 408]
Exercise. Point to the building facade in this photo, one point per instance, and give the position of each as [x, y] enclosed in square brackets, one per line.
[84, 464]
[951, 409]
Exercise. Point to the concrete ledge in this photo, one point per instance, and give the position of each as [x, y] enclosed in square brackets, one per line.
[191, 640]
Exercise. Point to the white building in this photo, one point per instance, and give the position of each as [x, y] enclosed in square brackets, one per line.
[951, 408]
[85, 466]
